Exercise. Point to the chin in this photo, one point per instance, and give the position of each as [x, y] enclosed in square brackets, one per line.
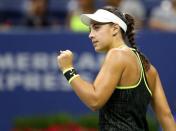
[99, 50]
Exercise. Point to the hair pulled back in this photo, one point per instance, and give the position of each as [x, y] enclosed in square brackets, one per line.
[129, 35]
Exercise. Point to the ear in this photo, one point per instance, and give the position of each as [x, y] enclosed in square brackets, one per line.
[116, 29]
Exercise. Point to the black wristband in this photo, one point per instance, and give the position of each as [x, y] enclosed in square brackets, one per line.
[70, 73]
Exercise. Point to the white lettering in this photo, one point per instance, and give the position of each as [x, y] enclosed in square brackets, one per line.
[32, 82]
[40, 61]
[13, 80]
[86, 61]
[63, 84]
[6, 61]
[22, 61]
[49, 82]
[39, 71]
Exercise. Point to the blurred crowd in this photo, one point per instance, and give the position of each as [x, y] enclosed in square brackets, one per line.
[64, 14]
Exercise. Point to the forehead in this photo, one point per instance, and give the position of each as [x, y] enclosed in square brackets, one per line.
[92, 23]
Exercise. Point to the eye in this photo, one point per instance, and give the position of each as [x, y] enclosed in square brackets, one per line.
[96, 27]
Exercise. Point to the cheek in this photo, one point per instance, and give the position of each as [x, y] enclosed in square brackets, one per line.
[103, 35]
[106, 39]
[104, 44]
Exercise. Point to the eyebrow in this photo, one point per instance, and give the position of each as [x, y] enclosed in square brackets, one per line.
[98, 23]
[93, 24]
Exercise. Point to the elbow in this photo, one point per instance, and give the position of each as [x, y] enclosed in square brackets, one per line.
[168, 122]
[168, 115]
[95, 104]
[94, 108]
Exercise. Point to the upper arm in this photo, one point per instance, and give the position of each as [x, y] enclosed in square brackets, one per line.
[159, 101]
[160, 104]
[109, 76]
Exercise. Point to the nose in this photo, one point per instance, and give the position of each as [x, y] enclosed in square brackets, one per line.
[91, 35]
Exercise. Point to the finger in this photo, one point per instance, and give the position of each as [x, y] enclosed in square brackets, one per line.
[62, 53]
[66, 52]
[59, 57]
[69, 52]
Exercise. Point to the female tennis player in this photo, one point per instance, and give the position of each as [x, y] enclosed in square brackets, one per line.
[126, 83]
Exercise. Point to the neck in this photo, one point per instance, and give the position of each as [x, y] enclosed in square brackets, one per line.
[118, 43]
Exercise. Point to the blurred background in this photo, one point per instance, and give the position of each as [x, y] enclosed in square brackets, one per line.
[34, 96]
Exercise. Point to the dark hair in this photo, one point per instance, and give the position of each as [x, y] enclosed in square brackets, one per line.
[129, 35]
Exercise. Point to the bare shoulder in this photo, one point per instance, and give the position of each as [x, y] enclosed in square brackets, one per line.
[118, 54]
[115, 59]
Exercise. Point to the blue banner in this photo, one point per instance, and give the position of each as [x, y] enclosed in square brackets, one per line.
[31, 84]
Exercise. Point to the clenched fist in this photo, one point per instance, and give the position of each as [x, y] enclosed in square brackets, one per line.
[65, 60]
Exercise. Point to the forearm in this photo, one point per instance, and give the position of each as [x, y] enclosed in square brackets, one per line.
[97, 94]
[161, 107]
[86, 92]
[168, 123]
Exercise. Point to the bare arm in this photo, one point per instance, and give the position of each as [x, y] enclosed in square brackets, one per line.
[161, 107]
[96, 94]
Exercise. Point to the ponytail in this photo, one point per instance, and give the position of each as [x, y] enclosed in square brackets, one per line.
[130, 34]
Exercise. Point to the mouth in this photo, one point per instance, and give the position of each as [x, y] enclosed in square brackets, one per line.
[94, 43]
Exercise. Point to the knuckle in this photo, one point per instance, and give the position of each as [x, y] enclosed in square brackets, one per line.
[58, 57]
